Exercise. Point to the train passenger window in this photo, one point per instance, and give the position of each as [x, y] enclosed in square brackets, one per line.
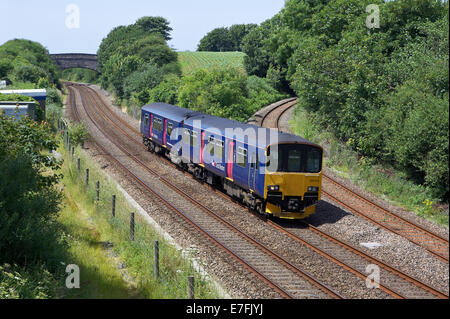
[146, 120]
[169, 129]
[242, 157]
[219, 148]
[157, 125]
[186, 136]
[194, 138]
[211, 145]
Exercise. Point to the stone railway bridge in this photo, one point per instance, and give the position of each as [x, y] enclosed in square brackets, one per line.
[75, 60]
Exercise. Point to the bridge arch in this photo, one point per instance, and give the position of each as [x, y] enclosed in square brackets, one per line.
[75, 60]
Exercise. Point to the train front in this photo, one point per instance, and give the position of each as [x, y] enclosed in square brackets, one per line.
[293, 179]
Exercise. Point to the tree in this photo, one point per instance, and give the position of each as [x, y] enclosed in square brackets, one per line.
[238, 33]
[218, 40]
[155, 25]
[29, 199]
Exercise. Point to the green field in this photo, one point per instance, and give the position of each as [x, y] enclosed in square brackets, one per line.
[193, 61]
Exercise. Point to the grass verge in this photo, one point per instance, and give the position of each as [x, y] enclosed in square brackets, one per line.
[138, 255]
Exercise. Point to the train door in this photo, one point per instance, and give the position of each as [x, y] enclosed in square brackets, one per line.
[202, 148]
[165, 132]
[230, 159]
[151, 126]
[252, 172]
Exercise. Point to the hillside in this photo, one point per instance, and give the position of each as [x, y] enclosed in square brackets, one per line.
[193, 61]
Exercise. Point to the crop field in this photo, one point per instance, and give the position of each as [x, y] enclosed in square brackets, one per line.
[193, 61]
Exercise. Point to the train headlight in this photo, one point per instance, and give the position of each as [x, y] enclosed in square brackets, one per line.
[273, 188]
[313, 189]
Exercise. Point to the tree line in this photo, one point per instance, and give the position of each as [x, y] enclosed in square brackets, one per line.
[137, 64]
[384, 91]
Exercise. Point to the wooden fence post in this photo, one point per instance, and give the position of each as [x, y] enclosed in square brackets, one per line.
[191, 287]
[97, 188]
[79, 165]
[87, 177]
[113, 206]
[156, 265]
[132, 227]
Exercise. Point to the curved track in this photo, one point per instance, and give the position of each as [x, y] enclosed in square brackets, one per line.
[285, 278]
[435, 244]
[395, 282]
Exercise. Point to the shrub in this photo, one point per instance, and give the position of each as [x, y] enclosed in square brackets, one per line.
[29, 200]
[78, 133]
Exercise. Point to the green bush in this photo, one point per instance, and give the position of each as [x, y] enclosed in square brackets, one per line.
[384, 91]
[29, 200]
[166, 91]
[138, 84]
[53, 97]
[30, 62]
[226, 93]
[78, 133]
[32, 282]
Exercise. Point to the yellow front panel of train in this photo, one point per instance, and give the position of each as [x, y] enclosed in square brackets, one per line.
[293, 184]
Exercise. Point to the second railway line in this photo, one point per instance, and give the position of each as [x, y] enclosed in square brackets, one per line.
[398, 289]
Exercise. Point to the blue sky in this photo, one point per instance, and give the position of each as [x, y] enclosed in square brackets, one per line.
[44, 21]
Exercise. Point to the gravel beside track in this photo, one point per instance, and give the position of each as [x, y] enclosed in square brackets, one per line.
[244, 284]
[296, 287]
[395, 250]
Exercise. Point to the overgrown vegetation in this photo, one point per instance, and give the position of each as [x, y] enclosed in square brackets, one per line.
[139, 67]
[31, 240]
[114, 233]
[27, 64]
[225, 39]
[80, 75]
[134, 59]
[382, 91]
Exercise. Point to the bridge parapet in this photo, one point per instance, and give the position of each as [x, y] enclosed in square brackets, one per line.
[75, 60]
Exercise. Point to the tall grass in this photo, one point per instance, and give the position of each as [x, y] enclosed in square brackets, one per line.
[138, 255]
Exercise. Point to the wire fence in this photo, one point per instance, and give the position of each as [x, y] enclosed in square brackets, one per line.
[159, 269]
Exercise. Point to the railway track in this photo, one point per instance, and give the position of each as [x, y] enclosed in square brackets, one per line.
[285, 278]
[395, 282]
[374, 213]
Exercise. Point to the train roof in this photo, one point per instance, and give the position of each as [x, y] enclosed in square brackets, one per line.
[170, 111]
[222, 126]
[268, 136]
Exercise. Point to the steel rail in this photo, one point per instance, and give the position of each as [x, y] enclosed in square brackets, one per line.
[311, 279]
[397, 272]
[414, 226]
[400, 274]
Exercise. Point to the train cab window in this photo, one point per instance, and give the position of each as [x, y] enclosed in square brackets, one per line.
[146, 120]
[219, 148]
[242, 157]
[169, 129]
[294, 160]
[211, 145]
[313, 161]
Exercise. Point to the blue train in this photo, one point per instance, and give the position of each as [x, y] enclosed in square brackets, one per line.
[271, 172]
